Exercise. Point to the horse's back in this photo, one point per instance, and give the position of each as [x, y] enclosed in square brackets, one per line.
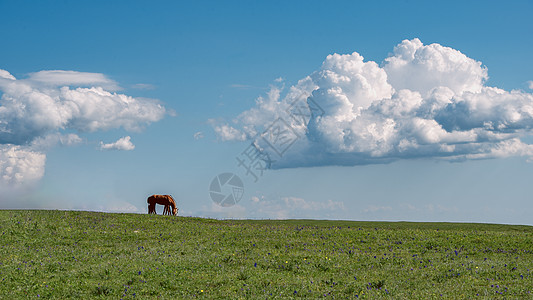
[161, 199]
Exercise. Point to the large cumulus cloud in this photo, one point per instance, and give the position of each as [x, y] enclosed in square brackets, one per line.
[52, 107]
[422, 101]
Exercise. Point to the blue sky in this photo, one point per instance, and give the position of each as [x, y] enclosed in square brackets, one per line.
[198, 66]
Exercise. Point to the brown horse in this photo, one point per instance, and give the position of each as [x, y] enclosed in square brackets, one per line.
[165, 200]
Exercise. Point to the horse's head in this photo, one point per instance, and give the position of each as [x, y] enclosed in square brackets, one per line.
[174, 205]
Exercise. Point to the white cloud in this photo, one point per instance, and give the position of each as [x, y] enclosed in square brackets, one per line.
[198, 135]
[28, 110]
[423, 101]
[52, 107]
[255, 199]
[421, 68]
[20, 166]
[121, 144]
[68, 78]
[228, 133]
[6, 75]
[530, 84]
[50, 140]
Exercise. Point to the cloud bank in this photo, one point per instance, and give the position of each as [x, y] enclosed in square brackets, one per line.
[423, 101]
[36, 112]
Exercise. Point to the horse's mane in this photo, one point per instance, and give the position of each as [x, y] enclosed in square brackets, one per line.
[173, 203]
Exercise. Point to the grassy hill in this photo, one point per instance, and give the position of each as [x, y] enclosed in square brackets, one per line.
[62, 254]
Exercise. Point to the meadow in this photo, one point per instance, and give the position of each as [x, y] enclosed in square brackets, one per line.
[72, 254]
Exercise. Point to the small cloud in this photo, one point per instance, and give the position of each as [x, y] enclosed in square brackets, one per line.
[198, 135]
[121, 144]
[279, 79]
[143, 86]
[228, 133]
[172, 112]
[530, 84]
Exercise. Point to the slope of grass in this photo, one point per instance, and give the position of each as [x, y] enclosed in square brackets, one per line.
[67, 254]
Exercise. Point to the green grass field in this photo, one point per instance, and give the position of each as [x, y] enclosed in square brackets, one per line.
[68, 254]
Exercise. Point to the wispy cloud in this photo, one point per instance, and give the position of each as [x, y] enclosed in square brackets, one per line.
[143, 86]
[198, 135]
[72, 78]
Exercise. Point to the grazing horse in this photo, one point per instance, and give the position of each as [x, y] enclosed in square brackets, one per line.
[165, 200]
